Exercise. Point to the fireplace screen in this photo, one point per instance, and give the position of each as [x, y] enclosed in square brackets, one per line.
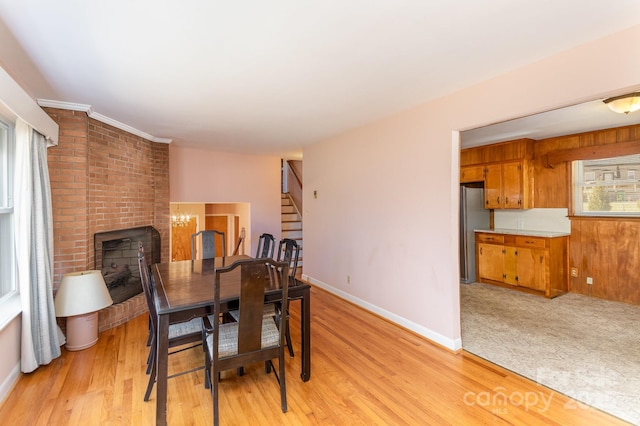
[116, 255]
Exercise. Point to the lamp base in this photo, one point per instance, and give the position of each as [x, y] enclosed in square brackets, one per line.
[82, 331]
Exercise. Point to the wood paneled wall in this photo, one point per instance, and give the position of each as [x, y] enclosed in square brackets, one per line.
[605, 249]
[552, 184]
[504, 151]
[608, 251]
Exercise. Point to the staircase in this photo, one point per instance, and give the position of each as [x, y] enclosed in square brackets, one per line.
[291, 225]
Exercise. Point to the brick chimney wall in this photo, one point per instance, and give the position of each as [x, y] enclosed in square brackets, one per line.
[104, 179]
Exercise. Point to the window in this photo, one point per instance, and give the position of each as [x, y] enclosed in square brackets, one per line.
[607, 187]
[7, 264]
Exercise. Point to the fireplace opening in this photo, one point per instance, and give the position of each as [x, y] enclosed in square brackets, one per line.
[116, 255]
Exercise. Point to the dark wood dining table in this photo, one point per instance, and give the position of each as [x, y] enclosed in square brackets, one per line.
[184, 290]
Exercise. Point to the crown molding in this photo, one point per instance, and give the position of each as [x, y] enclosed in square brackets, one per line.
[99, 117]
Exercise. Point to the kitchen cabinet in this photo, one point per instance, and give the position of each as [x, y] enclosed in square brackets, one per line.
[506, 169]
[506, 185]
[472, 173]
[490, 261]
[529, 263]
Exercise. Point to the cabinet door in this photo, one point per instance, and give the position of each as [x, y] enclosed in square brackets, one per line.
[490, 261]
[511, 265]
[471, 174]
[512, 185]
[492, 186]
[532, 268]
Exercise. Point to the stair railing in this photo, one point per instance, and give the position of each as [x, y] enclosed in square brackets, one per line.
[240, 243]
[294, 180]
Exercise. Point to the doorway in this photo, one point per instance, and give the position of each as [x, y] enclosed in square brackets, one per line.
[230, 218]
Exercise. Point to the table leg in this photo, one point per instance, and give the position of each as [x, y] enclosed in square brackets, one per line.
[305, 327]
[162, 360]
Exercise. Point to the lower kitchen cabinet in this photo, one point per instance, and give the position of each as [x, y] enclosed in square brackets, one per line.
[533, 264]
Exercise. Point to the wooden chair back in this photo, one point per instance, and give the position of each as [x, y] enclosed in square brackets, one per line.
[235, 345]
[266, 246]
[208, 244]
[289, 251]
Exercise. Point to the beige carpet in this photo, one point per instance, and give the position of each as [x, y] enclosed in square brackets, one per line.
[585, 348]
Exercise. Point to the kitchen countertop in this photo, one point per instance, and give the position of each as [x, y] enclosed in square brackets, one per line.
[526, 232]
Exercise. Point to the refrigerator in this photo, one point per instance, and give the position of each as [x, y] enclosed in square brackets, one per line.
[473, 215]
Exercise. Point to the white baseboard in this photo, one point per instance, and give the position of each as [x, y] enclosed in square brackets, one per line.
[452, 344]
[9, 381]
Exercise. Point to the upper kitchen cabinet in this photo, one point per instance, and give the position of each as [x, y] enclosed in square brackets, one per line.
[506, 185]
[472, 173]
[505, 169]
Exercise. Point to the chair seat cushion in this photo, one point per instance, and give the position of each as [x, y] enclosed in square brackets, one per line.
[185, 328]
[269, 311]
[228, 341]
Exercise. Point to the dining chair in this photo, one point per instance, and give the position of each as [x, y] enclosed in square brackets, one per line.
[288, 251]
[266, 246]
[180, 334]
[208, 244]
[253, 338]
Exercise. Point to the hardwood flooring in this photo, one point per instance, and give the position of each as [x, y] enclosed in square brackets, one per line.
[365, 370]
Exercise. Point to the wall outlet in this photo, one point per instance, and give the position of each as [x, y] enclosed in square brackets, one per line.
[589, 280]
[574, 272]
[348, 279]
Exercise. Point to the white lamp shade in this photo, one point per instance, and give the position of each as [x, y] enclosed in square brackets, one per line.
[80, 293]
[624, 104]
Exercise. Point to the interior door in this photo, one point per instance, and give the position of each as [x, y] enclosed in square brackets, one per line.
[181, 240]
[220, 224]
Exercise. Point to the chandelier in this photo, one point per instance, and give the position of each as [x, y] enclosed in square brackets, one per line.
[180, 220]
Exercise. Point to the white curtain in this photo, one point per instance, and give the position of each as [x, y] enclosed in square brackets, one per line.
[34, 249]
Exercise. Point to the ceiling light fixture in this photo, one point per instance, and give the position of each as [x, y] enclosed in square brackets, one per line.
[624, 104]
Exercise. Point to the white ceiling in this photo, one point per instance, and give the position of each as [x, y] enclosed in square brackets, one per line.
[594, 115]
[270, 77]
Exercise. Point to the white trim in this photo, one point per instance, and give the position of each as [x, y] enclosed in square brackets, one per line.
[7, 384]
[104, 119]
[438, 338]
[22, 105]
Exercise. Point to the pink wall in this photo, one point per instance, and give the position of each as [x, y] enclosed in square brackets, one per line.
[200, 176]
[387, 208]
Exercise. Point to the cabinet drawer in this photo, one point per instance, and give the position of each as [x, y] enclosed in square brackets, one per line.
[490, 238]
[533, 242]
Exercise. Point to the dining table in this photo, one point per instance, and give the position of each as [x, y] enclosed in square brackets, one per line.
[184, 290]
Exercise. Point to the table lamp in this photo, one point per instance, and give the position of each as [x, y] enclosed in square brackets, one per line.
[79, 298]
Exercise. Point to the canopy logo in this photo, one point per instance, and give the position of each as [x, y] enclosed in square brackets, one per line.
[499, 400]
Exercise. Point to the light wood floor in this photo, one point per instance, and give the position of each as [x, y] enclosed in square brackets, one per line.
[364, 371]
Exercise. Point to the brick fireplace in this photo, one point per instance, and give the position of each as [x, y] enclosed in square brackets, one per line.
[104, 179]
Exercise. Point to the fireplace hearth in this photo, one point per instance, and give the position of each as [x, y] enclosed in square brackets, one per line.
[116, 255]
